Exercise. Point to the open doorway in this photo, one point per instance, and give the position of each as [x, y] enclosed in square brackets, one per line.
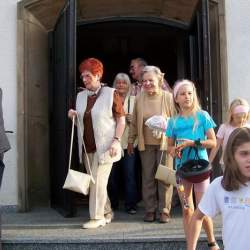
[115, 34]
[115, 43]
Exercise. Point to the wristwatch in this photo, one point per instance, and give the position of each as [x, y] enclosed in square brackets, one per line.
[197, 143]
[117, 138]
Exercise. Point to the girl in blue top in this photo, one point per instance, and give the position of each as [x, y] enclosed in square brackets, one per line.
[191, 127]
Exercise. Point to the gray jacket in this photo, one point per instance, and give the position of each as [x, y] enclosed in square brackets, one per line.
[4, 142]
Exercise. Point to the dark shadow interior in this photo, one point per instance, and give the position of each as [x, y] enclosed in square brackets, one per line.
[116, 43]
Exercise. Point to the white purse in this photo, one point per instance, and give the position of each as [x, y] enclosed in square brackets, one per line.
[77, 181]
[166, 174]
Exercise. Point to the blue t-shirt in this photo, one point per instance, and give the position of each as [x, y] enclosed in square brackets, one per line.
[180, 127]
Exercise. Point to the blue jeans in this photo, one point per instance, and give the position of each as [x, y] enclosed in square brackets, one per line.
[126, 169]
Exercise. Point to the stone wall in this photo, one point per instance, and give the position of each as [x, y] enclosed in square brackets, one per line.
[238, 48]
[8, 76]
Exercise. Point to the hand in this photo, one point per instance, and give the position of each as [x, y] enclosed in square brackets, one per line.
[171, 151]
[184, 144]
[113, 149]
[72, 113]
[156, 133]
[174, 152]
[129, 118]
[130, 148]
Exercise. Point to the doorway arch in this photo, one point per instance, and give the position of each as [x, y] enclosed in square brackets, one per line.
[36, 19]
[117, 41]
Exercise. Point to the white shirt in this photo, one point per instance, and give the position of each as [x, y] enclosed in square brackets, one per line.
[235, 209]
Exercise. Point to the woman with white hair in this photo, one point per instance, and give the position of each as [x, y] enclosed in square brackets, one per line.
[126, 165]
[153, 100]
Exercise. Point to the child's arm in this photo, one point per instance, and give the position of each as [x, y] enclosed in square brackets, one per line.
[210, 142]
[215, 150]
[171, 147]
[194, 229]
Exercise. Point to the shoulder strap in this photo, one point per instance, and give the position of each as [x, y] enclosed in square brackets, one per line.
[71, 145]
[189, 152]
[71, 141]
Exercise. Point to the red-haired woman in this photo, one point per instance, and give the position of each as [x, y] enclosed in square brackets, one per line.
[102, 119]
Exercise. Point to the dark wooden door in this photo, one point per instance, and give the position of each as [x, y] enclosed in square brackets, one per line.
[216, 79]
[204, 65]
[199, 54]
[204, 54]
[62, 96]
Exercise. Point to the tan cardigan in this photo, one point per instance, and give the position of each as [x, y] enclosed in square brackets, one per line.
[136, 126]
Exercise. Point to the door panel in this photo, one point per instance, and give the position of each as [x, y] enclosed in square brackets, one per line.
[204, 56]
[63, 91]
[199, 54]
[216, 94]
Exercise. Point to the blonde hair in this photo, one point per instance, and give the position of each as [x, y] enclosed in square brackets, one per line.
[195, 105]
[236, 102]
[155, 70]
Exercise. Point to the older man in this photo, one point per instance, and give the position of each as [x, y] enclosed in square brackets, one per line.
[135, 69]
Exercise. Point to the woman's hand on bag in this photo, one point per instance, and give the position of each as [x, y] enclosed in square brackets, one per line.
[72, 113]
[130, 148]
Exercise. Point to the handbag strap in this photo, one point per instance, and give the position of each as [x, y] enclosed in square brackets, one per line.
[84, 147]
[161, 157]
[71, 144]
[189, 152]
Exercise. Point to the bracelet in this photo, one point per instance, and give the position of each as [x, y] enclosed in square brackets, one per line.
[117, 139]
[197, 143]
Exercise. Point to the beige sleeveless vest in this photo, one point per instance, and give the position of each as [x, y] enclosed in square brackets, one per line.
[102, 119]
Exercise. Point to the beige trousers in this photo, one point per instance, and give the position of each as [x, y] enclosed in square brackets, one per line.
[99, 203]
[155, 194]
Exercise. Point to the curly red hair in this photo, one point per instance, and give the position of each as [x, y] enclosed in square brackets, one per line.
[93, 65]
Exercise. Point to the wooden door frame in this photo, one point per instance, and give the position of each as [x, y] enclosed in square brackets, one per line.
[23, 94]
[223, 58]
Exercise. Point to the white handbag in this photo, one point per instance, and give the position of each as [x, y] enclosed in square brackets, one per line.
[166, 174]
[77, 181]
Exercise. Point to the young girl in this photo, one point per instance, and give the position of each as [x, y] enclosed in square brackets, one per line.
[192, 127]
[238, 116]
[229, 195]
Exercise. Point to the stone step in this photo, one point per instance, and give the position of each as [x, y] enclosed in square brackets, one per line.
[46, 229]
[67, 244]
